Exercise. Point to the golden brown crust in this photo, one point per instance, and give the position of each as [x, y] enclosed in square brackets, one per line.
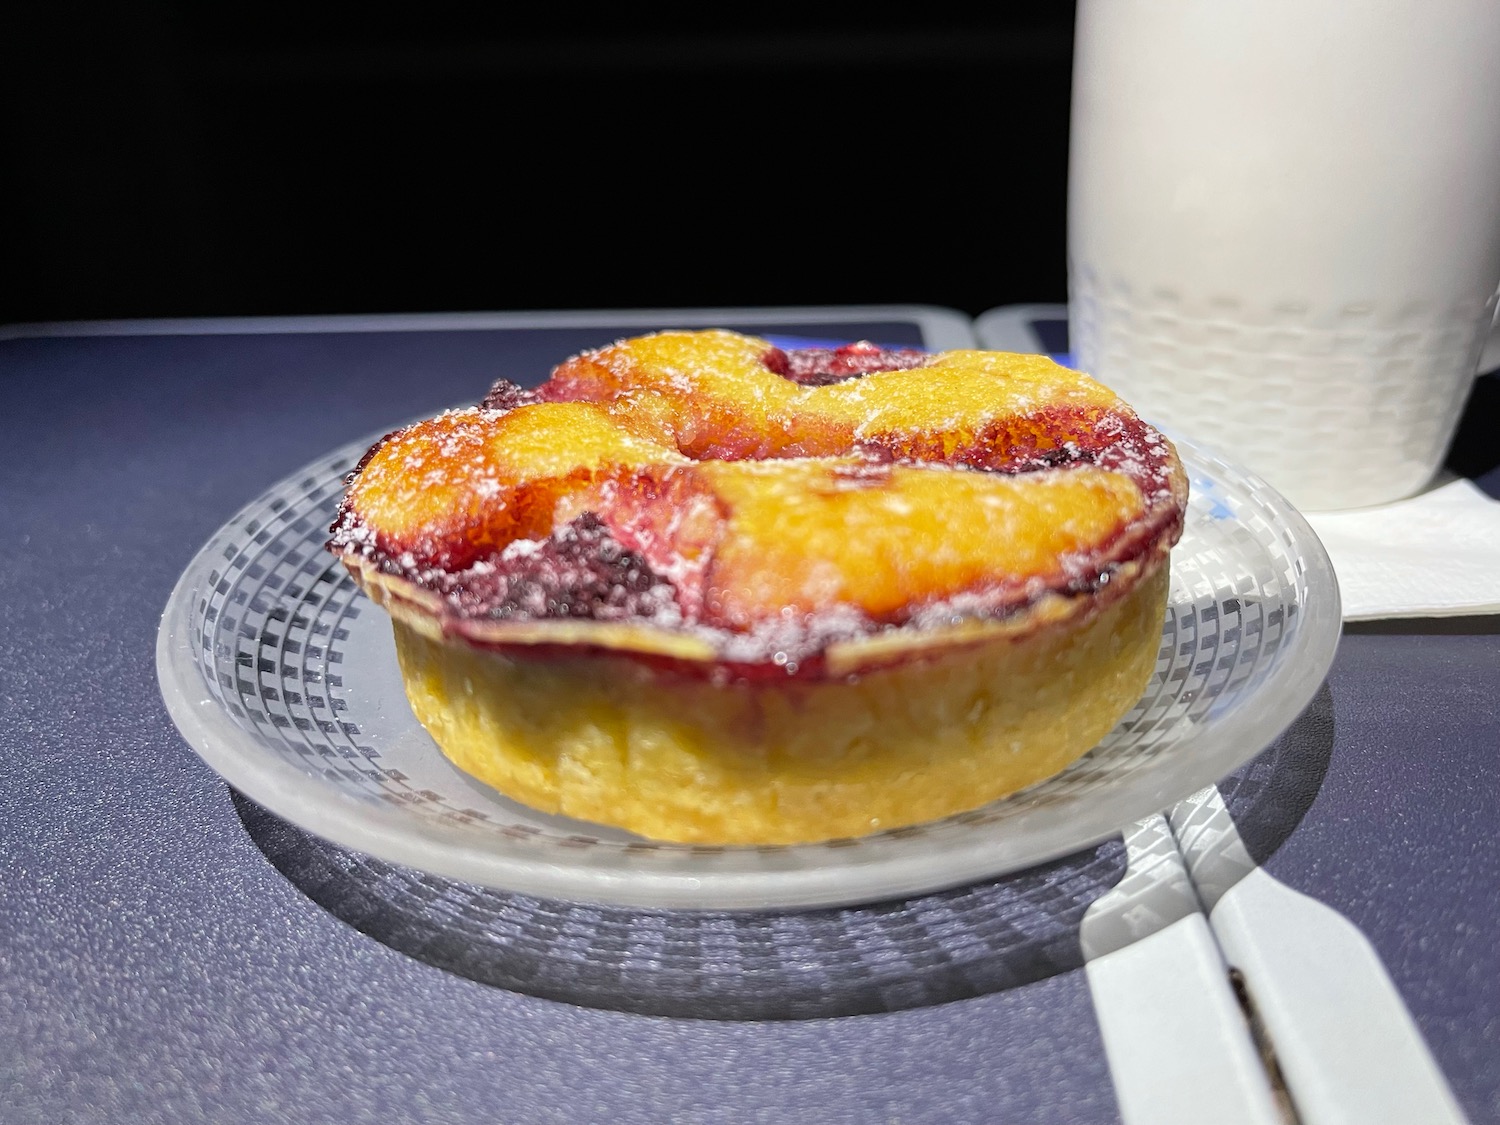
[605, 739]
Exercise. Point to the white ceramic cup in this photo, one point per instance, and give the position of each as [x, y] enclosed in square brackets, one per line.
[1284, 227]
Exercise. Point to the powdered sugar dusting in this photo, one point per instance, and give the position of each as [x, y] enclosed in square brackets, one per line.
[790, 640]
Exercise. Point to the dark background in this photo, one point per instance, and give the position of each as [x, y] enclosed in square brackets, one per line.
[169, 159]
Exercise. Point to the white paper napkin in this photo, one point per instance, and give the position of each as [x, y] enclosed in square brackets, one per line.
[1436, 554]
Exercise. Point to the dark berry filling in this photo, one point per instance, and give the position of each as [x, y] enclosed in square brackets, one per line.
[818, 367]
[505, 395]
[581, 570]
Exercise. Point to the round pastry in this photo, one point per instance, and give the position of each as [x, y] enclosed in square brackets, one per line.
[708, 590]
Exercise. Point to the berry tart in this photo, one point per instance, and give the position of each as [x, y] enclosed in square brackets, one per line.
[709, 590]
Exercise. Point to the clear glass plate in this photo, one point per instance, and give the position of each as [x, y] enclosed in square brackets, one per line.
[283, 677]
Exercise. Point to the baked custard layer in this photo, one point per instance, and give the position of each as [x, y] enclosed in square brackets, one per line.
[752, 505]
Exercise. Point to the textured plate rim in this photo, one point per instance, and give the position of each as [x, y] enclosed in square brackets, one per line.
[987, 851]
